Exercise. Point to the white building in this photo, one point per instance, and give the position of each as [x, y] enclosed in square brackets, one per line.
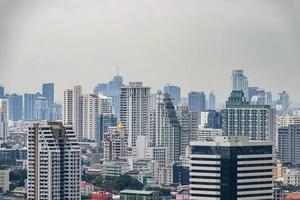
[68, 107]
[90, 116]
[4, 180]
[291, 177]
[208, 133]
[135, 110]
[231, 167]
[105, 104]
[86, 188]
[239, 81]
[53, 162]
[4, 112]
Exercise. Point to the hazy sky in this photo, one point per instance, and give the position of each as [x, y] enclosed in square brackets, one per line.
[191, 43]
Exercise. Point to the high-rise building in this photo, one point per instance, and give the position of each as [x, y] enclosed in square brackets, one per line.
[101, 88]
[289, 144]
[55, 112]
[48, 92]
[105, 120]
[105, 104]
[239, 82]
[77, 110]
[115, 143]
[208, 133]
[41, 108]
[114, 87]
[15, 107]
[284, 99]
[189, 126]
[231, 167]
[175, 93]
[4, 177]
[197, 101]
[286, 120]
[53, 162]
[29, 107]
[211, 119]
[135, 111]
[2, 91]
[4, 112]
[90, 116]
[211, 101]
[241, 118]
[68, 107]
[165, 128]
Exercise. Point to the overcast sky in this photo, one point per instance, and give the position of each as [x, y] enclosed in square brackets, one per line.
[191, 43]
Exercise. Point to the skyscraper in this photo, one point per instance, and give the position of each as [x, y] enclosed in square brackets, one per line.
[15, 107]
[29, 106]
[2, 91]
[241, 118]
[114, 87]
[231, 168]
[165, 127]
[77, 110]
[48, 92]
[197, 101]
[239, 81]
[53, 165]
[55, 112]
[174, 92]
[90, 116]
[211, 119]
[4, 112]
[135, 110]
[105, 120]
[211, 101]
[284, 99]
[68, 107]
[101, 88]
[41, 108]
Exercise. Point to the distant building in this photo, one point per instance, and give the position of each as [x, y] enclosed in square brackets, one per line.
[101, 88]
[115, 168]
[90, 116]
[140, 194]
[239, 82]
[4, 116]
[211, 119]
[114, 87]
[241, 118]
[197, 101]
[105, 120]
[15, 107]
[105, 104]
[211, 101]
[208, 133]
[41, 108]
[18, 154]
[53, 162]
[48, 92]
[55, 112]
[2, 91]
[231, 167]
[4, 180]
[174, 92]
[29, 107]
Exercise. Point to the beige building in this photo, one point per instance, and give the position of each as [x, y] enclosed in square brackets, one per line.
[292, 177]
[4, 180]
[287, 120]
[278, 171]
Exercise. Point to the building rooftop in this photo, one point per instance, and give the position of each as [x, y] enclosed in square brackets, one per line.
[143, 192]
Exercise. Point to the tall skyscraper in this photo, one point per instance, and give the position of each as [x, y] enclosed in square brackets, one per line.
[175, 93]
[241, 118]
[55, 112]
[48, 92]
[115, 143]
[211, 119]
[29, 107]
[231, 168]
[77, 110]
[239, 82]
[101, 88]
[105, 120]
[135, 110]
[2, 91]
[165, 127]
[15, 107]
[53, 166]
[189, 126]
[211, 101]
[289, 144]
[41, 108]
[105, 104]
[197, 101]
[114, 87]
[68, 107]
[284, 99]
[90, 116]
[4, 116]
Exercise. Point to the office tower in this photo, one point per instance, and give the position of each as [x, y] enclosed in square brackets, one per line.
[4, 112]
[174, 92]
[68, 107]
[252, 91]
[197, 102]
[165, 127]
[101, 88]
[77, 110]
[48, 92]
[41, 108]
[211, 119]
[90, 116]
[239, 82]
[105, 120]
[269, 98]
[241, 118]
[15, 107]
[53, 162]
[114, 87]
[259, 98]
[284, 99]
[105, 104]
[231, 167]
[211, 101]
[115, 143]
[135, 110]
[2, 91]
[29, 107]
[189, 126]
[55, 112]
[289, 144]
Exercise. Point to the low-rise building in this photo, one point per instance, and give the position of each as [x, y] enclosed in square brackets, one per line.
[115, 168]
[101, 195]
[4, 180]
[86, 188]
[139, 195]
[292, 177]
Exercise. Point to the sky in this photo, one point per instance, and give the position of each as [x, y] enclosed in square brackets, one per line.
[191, 43]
